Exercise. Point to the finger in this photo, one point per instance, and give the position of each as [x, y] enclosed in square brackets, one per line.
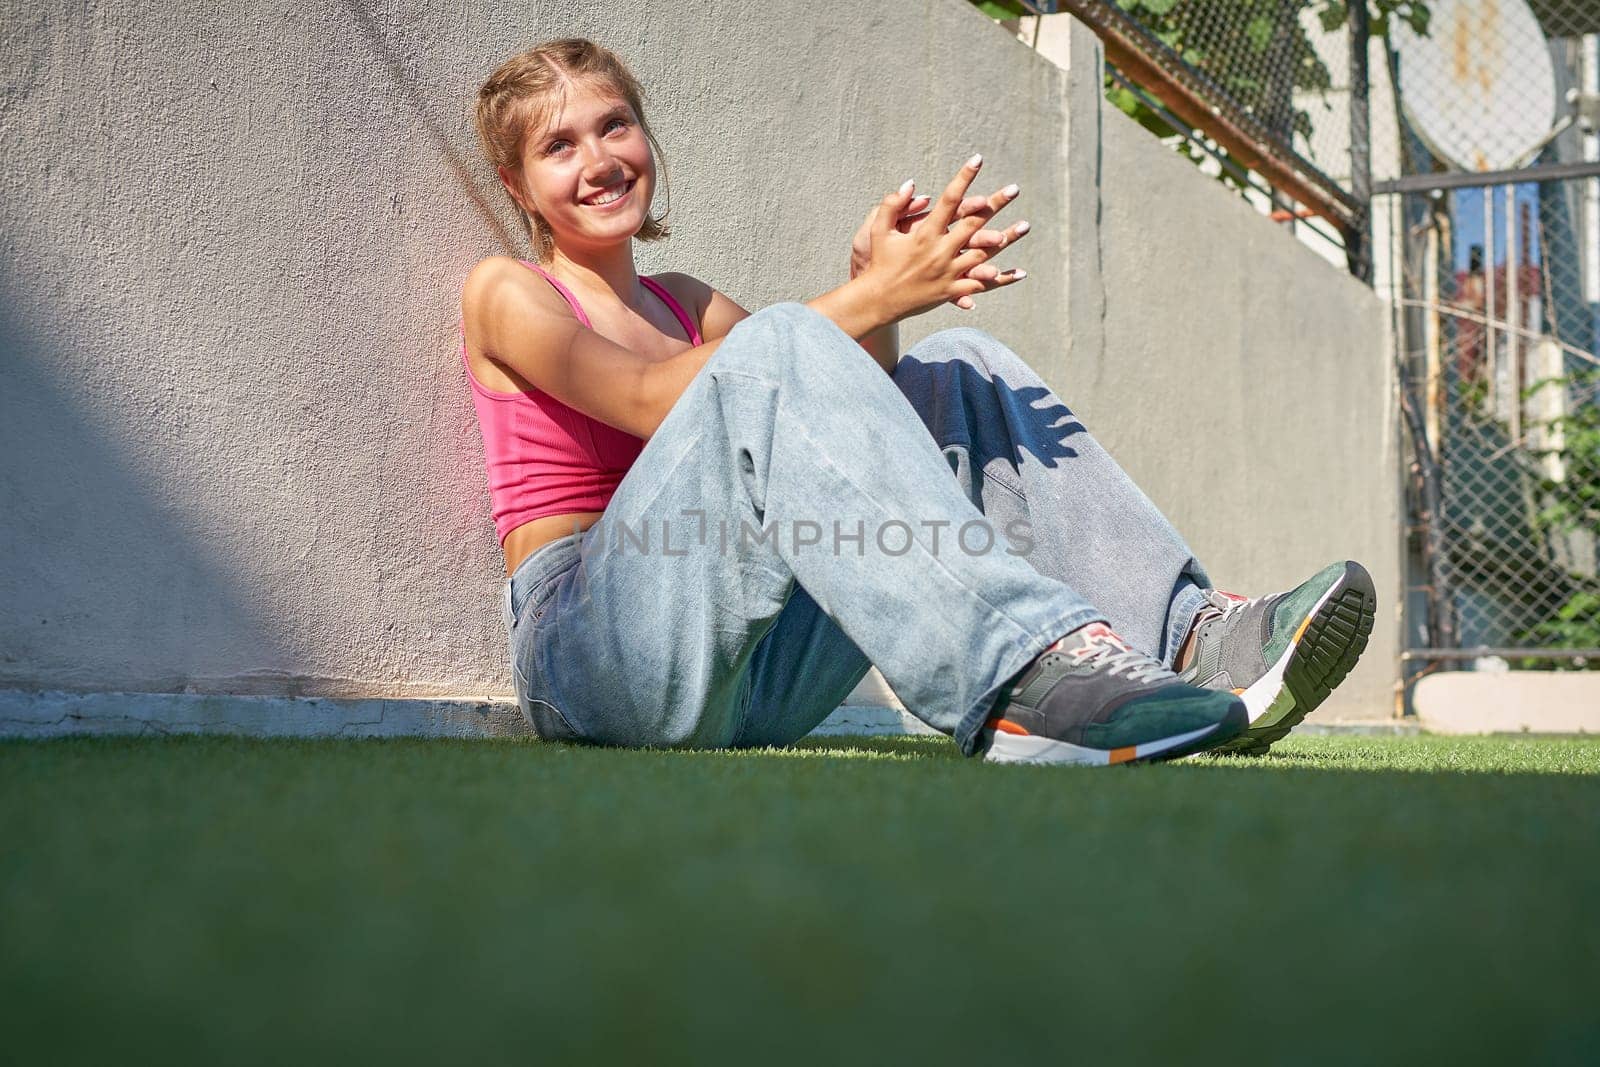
[964, 291]
[999, 279]
[984, 272]
[994, 240]
[969, 259]
[997, 239]
[944, 211]
[961, 233]
[991, 205]
[967, 231]
[908, 221]
[915, 211]
[892, 207]
[971, 205]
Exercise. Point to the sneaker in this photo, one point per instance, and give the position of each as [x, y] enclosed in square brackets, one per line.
[1089, 698]
[1282, 654]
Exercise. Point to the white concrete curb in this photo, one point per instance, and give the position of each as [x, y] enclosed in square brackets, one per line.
[26, 713]
[1490, 702]
[43, 714]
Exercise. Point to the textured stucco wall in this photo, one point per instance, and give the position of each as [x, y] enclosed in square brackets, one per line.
[1244, 382]
[237, 453]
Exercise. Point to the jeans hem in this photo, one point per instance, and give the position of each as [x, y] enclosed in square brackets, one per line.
[1180, 617]
[1025, 650]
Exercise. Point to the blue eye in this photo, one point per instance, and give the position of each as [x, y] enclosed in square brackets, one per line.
[558, 146]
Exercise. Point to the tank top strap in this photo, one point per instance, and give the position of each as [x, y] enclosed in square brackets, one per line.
[566, 294]
[689, 327]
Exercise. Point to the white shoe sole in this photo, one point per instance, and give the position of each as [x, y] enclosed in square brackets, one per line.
[1002, 747]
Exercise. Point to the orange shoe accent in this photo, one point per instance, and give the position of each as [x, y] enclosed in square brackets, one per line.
[1006, 726]
[1123, 755]
[1238, 692]
[1301, 632]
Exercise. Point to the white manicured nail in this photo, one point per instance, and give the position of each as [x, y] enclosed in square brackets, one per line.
[1011, 190]
[1022, 228]
[1020, 273]
[975, 161]
[907, 187]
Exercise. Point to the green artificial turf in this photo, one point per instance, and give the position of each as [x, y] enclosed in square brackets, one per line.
[1344, 900]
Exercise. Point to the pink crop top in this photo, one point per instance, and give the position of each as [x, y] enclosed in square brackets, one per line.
[545, 458]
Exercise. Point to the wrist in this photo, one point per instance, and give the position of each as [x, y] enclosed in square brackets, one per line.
[859, 306]
[873, 299]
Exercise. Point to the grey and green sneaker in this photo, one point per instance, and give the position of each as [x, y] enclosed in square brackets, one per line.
[1089, 698]
[1282, 654]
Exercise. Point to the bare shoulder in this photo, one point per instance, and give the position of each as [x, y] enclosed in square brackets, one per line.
[713, 311]
[499, 279]
[688, 290]
[500, 296]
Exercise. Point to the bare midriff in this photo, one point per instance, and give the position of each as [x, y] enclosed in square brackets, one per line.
[531, 536]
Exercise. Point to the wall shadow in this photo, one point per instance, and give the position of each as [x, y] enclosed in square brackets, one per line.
[411, 93]
[106, 585]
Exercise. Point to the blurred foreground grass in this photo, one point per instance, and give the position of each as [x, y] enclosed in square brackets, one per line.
[1345, 899]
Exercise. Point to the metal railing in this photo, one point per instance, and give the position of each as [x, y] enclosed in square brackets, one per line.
[1272, 89]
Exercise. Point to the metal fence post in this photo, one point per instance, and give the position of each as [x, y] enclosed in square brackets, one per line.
[1358, 249]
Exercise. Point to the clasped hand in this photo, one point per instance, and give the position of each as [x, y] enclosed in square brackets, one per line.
[925, 252]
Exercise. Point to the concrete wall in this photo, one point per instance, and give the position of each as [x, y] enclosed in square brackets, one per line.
[1244, 382]
[237, 453]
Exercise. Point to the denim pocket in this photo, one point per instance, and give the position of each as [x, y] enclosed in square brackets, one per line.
[538, 578]
[533, 605]
[535, 695]
[548, 721]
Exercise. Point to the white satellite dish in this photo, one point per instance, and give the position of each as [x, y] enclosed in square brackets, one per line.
[1480, 89]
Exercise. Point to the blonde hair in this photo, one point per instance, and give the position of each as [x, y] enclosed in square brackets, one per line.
[521, 94]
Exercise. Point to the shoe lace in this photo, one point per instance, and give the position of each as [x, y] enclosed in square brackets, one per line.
[1108, 652]
[1134, 665]
[1227, 605]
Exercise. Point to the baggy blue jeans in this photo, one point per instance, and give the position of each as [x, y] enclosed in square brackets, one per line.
[794, 520]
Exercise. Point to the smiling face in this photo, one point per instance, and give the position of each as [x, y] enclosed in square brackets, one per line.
[587, 169]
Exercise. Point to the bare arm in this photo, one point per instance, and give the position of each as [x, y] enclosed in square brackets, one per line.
[854, 307]
[508, 317]
[883, 345]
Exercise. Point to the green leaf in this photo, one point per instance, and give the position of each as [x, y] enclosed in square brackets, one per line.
[1002, 9]
[1259, 32]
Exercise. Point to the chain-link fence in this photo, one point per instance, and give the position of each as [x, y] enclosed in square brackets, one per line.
[1284, 62]
[1259, 92]
[1503, 367]
[1495, 237]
